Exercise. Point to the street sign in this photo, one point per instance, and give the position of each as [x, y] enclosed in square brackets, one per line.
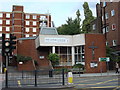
[106, 59]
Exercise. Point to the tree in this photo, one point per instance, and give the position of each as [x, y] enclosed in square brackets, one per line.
[111, 53]
[54, 58]
[86, 26]
[72, 27]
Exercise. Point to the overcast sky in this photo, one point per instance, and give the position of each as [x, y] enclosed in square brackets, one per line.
[60, 10]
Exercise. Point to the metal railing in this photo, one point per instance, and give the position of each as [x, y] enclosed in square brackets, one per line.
[34, 78]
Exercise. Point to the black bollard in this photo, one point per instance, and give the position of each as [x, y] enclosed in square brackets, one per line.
[50, 73]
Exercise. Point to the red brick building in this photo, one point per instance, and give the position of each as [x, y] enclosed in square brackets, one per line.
[72, 49]
[107, 22]
[22, 24]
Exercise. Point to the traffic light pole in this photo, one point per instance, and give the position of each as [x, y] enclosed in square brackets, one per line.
[7, 58]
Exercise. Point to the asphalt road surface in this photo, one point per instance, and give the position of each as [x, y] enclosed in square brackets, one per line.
[106, 82]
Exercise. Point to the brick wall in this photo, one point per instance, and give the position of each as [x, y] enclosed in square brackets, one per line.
[27, 48]
[99, 41]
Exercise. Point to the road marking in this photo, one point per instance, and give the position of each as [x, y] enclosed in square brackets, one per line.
[99, 82]
[105, 87]
[106, 81]
[86, 80]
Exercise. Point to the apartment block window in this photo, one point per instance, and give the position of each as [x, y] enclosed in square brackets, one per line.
[7, 28]
[103, 30]
[41, 24]
[112, 12]
[114, 42]
[7, 22]
[113, 26]
[27, 29]
[27, 22]
[27, 17]
[0, 34]
[34, 23]
[1, 14]
[34, 17]
[0, 28]
[34, 29]
[0, 21]
[102, 18]
[94, 26]
[104, 4]
[7, 15]
[106, 43]
[43, 18]
[34, 35]
[107, 29]
[27, 35]
[7, 35]
[106, 16]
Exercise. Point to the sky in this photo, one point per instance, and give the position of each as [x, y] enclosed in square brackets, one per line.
[59, 10]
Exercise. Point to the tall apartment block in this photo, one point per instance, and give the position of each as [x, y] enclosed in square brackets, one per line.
[108, 23]
[22, 24]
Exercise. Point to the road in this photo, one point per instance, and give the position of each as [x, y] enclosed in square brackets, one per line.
[97, 82]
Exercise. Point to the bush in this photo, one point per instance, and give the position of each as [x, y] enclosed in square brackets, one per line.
[78, 66]
[54, 58]
[23, 59]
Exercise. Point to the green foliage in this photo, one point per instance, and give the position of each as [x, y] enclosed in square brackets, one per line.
[54, 58]
[78, 66]
[23, 59]
[86, 27]
[113, 57]
[72, 27]
[109, 52]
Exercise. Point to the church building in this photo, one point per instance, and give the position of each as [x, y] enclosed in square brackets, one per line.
[72, 49]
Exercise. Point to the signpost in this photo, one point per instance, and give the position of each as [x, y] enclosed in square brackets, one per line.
[104, 59]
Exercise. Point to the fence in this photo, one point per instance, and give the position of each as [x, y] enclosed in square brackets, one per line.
[34, 78]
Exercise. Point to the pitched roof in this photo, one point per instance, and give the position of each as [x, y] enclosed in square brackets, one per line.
[48, 31]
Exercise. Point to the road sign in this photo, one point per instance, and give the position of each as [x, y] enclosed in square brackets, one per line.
[106, 59]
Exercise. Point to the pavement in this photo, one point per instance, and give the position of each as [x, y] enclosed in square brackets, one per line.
[110, 73]
[69, 87]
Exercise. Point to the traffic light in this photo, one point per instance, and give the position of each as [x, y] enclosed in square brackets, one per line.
[8, 45]
[5, 46]
[12, 42]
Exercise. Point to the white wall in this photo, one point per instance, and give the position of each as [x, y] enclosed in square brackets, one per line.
[60, 40]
